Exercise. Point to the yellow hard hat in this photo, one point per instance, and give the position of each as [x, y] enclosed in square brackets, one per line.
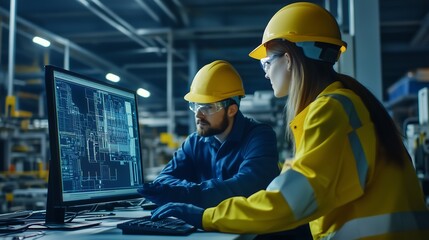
[214, 82]
[301, 22]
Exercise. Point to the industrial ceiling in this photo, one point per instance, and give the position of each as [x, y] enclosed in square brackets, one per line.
[133, 39]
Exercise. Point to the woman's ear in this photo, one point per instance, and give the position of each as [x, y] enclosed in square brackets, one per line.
[288, 61]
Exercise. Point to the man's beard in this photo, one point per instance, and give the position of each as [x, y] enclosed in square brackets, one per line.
[210, 131]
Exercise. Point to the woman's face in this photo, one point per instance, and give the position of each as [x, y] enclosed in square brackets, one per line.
[279, 74]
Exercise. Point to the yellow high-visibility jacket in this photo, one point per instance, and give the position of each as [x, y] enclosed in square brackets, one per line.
[339, 181]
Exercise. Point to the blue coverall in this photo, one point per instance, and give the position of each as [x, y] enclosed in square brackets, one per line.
[244, 163]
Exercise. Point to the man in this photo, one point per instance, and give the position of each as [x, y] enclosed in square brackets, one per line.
[229, 154]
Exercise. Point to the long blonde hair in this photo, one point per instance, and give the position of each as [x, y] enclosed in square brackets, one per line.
[310, 77]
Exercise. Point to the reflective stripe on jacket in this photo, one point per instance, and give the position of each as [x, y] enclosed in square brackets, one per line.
[338, 174]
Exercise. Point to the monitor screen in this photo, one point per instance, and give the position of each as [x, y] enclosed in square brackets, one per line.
[94, 141]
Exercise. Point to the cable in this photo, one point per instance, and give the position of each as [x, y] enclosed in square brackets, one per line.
[19, 229]
[35, 235]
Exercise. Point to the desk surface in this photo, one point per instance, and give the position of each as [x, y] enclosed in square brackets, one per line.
[107, 231]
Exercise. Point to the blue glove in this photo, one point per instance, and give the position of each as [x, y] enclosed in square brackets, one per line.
[163, 193]
[187, 212]
[153, 192]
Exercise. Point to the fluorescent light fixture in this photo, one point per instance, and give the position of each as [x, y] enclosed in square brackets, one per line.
[112, 77]
[143, 92]
[84, 2]
[41, 41]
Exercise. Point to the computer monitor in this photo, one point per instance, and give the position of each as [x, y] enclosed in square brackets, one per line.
[94, 143]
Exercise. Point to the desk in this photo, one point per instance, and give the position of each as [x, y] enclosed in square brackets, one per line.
[107, 231]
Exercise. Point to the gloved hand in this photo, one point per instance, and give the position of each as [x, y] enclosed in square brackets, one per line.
[187, 212]
[163, 193]
[152, 192]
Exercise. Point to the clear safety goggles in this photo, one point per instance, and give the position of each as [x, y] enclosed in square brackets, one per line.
[209, 108]
[265, 62]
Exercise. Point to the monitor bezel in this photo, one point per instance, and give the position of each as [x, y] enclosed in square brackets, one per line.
[55, 189]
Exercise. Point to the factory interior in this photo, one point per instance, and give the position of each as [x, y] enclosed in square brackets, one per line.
[155, 47]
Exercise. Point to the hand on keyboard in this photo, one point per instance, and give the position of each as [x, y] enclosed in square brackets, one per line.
[187, 212]
[148, 205]
[160, 193]
[165, 226]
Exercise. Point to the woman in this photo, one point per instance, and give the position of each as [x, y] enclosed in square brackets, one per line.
[351, 176]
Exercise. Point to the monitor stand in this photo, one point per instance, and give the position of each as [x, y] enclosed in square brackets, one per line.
[54, 220]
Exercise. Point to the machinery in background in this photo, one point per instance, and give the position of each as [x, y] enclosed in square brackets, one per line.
[22, 191]
[23, 163]
[417, 140]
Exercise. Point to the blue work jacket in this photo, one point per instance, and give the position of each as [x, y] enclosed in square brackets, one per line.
[243, 164]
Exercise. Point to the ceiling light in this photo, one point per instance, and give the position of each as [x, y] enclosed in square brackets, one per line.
[143, 92]
[112, 77]
[41, 41]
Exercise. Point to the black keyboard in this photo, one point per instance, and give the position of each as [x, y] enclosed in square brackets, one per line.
[165, 226]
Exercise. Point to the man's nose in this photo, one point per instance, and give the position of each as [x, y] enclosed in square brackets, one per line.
[199, 114]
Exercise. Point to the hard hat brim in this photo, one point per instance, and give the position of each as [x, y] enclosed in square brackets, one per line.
[259, 52]
[192, 97]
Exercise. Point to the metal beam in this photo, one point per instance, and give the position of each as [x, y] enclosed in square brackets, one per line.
[167, 11]
[183, 15]
[12, 29]
[366, 35]
[421, 37]
[148, 10]
[153, 65]
[88, 57]
[170, 103]
[114, 24]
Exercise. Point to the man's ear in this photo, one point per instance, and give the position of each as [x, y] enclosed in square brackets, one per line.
[232, 110]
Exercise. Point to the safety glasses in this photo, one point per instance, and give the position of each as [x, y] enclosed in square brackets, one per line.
[209, 108]
[265, 62]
